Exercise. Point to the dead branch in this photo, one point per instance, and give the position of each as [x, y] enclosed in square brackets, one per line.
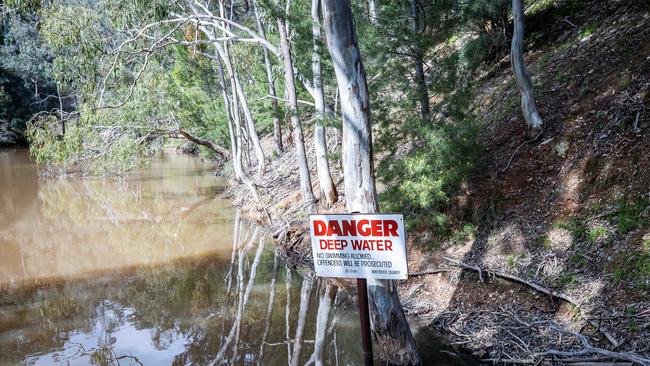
[207, 143]
[539, 288]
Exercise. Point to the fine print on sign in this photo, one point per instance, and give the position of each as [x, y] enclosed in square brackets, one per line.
[359, 246]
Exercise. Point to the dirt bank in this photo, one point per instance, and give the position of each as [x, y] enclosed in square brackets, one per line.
[557, 258]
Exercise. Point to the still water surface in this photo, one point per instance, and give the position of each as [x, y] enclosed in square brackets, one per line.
[155, 269]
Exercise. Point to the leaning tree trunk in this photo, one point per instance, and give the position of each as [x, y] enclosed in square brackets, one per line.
[524, 83]
[420, 80]
[226, 103]
[237, 90]
[277, 128]
[250, 124]
[327, 187]
[389, 326]
[237, 159]
[298, 139]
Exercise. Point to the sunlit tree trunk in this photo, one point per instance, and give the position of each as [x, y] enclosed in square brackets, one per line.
[227, 104]
[224, 55]
[237, 160]
[277, 127]
[391, 331]
[253, 139]
[306, 191]
[524, 83]
[420, 80]
[327, 187]
[372, 12]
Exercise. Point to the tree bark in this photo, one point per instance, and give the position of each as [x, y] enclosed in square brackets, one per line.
[389, 326]
[327, 187]
[277, 127]
[306, 191]
[226, 103]
[524, 82]
[372, 12]
[250, 124]
[207, 143]
[420, 80]
[237, 159]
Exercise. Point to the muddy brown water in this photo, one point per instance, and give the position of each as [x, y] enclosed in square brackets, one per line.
[155, 269]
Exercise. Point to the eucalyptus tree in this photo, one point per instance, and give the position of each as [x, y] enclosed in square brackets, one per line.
[327, 186]
[418, 55]
[389, 325]
[306, 191]
[277, 128]
[524, 82]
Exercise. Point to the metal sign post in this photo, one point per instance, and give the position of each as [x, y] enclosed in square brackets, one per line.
[364, 319]
[359, 246]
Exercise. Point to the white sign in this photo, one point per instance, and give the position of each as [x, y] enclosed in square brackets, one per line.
[359, 246]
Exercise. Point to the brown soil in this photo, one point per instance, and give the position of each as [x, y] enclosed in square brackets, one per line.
[566, 209]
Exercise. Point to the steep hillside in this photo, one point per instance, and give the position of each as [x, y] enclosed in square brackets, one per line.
[566, 209]
[552, 230]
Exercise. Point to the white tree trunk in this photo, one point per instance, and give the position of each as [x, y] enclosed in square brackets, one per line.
[327, 187]
[372, 12]
[298, 140]
[277, 128]
[420, 80]
[524, 83]
[389, 326]
[250, 124]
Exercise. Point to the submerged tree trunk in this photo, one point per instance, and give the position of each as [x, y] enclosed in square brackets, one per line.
[327, 187]
[524, 83]
[306, 191]
[277, 127]
[420, 80]
[389, 326]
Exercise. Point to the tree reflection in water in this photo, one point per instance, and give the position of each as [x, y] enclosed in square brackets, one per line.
[153, 269]
[229, 307]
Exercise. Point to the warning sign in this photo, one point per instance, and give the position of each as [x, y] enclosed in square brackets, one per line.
[359, 246]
